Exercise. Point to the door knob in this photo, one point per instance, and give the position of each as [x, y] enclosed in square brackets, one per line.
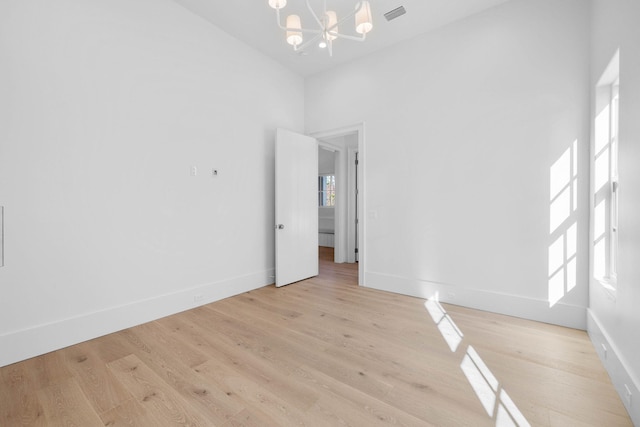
[280, 226]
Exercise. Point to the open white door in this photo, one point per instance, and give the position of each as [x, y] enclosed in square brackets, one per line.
[296, 207]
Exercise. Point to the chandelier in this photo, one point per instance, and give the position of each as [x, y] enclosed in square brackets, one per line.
[327, 23]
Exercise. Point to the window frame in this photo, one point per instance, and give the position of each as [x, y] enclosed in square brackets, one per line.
[605, 263]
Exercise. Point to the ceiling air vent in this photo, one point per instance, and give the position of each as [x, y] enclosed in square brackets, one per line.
[393, 14]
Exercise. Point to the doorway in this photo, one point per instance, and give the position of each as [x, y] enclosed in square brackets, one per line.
[347, 147]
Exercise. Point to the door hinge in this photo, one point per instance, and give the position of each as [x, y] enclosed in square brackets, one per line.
[356, 162]
[356, 250]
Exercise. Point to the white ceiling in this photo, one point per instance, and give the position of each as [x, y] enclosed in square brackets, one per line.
[254, 22]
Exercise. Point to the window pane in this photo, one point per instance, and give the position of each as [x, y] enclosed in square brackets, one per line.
[602, 129]
[601, 170]
[326, 190]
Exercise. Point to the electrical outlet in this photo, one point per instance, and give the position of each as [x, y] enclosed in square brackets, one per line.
[193, 171]
[198, 298]
[627, 394]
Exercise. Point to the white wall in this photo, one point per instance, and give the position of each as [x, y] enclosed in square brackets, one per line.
[614, 321]
[326, 162]
[105, 106]
[462, 127]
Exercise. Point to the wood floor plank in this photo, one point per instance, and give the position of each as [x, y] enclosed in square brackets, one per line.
[343, 405]
[163, 404]
[48, 369]
[157, 354]
[65, 404]
[249, 418]
[280, 411]
[130, 413]
[19, 403]
[97, 382]
[267, 372]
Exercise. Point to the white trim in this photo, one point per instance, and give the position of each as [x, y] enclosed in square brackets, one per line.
[571, 316]
[40, 339]
[615, 364]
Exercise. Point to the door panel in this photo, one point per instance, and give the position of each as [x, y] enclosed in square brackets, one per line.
[296, 207]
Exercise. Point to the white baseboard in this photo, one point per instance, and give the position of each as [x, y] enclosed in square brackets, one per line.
[616, 366]
[527, 308]
[26, 343]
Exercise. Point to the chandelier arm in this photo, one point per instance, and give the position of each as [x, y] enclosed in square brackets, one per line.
[349, 16]
[304, 45]
[304, 30]
[352, 14]
[314, 14]
[278, 19]
[354, 38]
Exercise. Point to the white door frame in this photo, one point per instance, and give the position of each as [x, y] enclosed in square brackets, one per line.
[341, 229]
[352, 208]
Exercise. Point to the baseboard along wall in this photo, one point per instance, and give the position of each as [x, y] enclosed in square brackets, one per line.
[627, 386]
[40, 339]
[561, 314]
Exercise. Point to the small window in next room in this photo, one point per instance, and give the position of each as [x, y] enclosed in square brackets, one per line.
[327, 191]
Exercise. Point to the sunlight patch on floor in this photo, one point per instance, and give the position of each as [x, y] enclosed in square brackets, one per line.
[494, 399]
[450, 332]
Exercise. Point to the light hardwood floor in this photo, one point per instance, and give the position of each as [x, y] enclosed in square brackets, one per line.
[323, 352]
